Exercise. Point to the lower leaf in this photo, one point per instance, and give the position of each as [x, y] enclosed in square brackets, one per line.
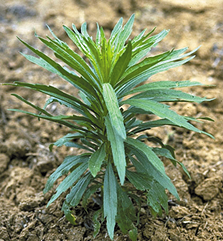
[97, 224]
[157, 198]
[110, 200]
[76, 193]
[126, 211]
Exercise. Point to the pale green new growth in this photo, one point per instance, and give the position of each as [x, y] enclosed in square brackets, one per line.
[113, 155]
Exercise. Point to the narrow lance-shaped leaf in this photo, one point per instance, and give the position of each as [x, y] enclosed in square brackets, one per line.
[110, 199]
[47, 116]
[145, 64]
[151, 124]
[73, 60]
[118, 149]
[152, 157]
[164, 85]
[140, 180]
[76, 193]
[95, 56]
[84, 30]
[121, 64]
[90, 191]
[117, 28]
[97, 224]
[69, 181]
[126, 211]
[64, 168]
[163, 111]
[69, 216]
[144, 45]
[166, 153]
[168, 95]
[88, 47]
[135, 78]
[77, 81]
[157, 197]
[66, 99]
[32, 105]
[98, 36]
[96, 160]
[126, 32]
[150, 164]
[50, 118]
[65, 139]
[49, 64]
[113, 110]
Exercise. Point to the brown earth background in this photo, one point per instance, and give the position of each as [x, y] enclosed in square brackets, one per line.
[25, 160]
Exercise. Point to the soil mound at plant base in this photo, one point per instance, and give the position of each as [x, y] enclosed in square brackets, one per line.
[26, 163]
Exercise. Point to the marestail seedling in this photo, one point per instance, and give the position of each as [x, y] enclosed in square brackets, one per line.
[116, 166]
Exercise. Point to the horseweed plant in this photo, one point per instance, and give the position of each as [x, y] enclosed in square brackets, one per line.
[116, 166]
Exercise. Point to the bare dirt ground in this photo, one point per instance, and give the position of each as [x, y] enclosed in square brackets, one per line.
[25, 160]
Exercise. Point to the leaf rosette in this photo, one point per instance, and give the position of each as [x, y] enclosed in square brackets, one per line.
[116, 161]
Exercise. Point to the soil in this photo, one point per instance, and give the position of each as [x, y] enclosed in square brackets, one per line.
[26, 162]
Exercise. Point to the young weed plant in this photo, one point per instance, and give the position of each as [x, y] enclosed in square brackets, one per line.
[116, 166]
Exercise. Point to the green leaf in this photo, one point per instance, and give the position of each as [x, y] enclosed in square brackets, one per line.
[117, 28]
[69, 216]
[98, 60]
[142, 45]
[84, 30]
[121, 65]
[149, 163]
[138, 77]
[97, 224]
[79, 146]
[67, 138]
[118, 150]
[49, 64]
[89, 48]
[113, 109]
[89, 144]
[157, 196]
[163, 111]
[164, 152]
[124, 35]
[67, 99]
[151, 124]
[152, 157]
[69, 181]
[76, 193]
[126, 211]
[96, 160]
[98, 35]
[73, 60]
[141, 181]
[167, 153]
[166, 95]
[164, 85]
[90, 191]
[68, 163]
[32, 105]
[127, 29]
[77, 81]
[110, 200]
[50, 118]
[145, 64]
[132, 123]
[133, 233]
